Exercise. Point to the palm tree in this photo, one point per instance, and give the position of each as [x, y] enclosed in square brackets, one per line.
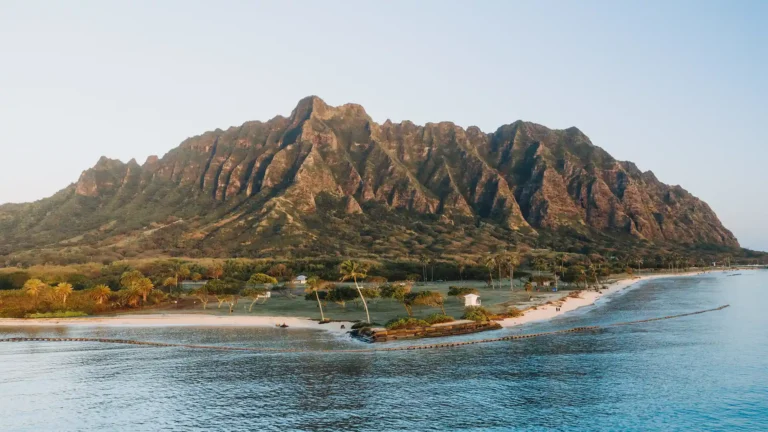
[431, 262]
[462, 265]
[143, 286]
[180, 271]
[100, 293]
[169, 283]
[130, 296]
[500, 258]
[129, 278]
[314, 284]
[33, 288]
[423, 260]
[513, 260]
[490, 263]
[354, 270]
[62, 291]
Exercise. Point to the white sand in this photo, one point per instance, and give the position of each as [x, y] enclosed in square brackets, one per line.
[586, 298]
[542, 312]
[166, 320]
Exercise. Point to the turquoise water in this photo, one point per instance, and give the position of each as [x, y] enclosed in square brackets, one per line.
[704, 372]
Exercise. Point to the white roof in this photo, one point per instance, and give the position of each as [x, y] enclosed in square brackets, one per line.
[301, 277]
[472, 295]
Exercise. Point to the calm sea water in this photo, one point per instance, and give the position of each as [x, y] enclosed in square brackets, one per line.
[705, 372]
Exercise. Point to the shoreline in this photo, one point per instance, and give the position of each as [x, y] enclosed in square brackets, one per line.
[180, 320]
[587, 298]
[540, 313]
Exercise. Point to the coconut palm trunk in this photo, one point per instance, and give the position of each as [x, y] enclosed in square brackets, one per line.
[365, 305]
[490, 273]
[319, 304]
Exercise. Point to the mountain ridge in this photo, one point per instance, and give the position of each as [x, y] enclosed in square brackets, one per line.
[281, 185]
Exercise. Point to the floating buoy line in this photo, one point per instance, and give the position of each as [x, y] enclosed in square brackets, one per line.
[359, 350]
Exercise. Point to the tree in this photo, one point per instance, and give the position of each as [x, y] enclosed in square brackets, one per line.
[540, 264]
[354, 270]
[143, 286]
[129, 278]
[169, 283]
[490, 263]
[278, 271]
[500, 260]
[100, 293]
[215, 271]
[179, 272]
[33, 288]
[315, 284]
[255, 294]
[62, 291]
[513, 260]
[129, 297]
[202, 294]
[400, 293]
[424, 261]
[232, 301]
[261, 278]
[432, 261]
[223, 289]
[341, 295]
[462, 265]
[430, 299]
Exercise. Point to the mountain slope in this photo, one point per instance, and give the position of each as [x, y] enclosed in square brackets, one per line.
[329, 180]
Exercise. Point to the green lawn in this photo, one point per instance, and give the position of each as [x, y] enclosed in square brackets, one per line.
[382, 310]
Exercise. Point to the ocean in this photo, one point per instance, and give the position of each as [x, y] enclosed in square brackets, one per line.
[702, 372]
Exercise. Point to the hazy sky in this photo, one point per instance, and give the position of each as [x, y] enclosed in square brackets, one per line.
[680, 88]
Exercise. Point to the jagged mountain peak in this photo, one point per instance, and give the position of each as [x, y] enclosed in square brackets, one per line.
[299, 177]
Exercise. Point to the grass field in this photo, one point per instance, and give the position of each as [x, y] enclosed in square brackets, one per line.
[381, 310]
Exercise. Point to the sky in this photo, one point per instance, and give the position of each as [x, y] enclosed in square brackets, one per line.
[678, 87]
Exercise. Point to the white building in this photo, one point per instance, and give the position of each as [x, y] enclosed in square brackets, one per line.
[471, 300]
[300, 279]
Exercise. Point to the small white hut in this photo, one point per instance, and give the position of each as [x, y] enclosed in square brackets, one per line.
[471, 300]
[301, 279]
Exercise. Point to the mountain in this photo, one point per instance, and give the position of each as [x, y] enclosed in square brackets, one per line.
[331, 181]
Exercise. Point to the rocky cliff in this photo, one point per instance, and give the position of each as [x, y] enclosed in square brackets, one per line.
[329, 178]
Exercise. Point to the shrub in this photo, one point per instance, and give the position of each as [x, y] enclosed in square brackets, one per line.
[437, 318]
[58, 314]
[477, 313]
[360, 325]
[514, 312]
[405, 323]
[461, 291]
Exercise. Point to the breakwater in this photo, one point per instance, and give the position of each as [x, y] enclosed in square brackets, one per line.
[360, 350]
[441, 330]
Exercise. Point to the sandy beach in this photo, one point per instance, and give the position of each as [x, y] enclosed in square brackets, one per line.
[541, 312]
[586, 298]
[189, 320]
